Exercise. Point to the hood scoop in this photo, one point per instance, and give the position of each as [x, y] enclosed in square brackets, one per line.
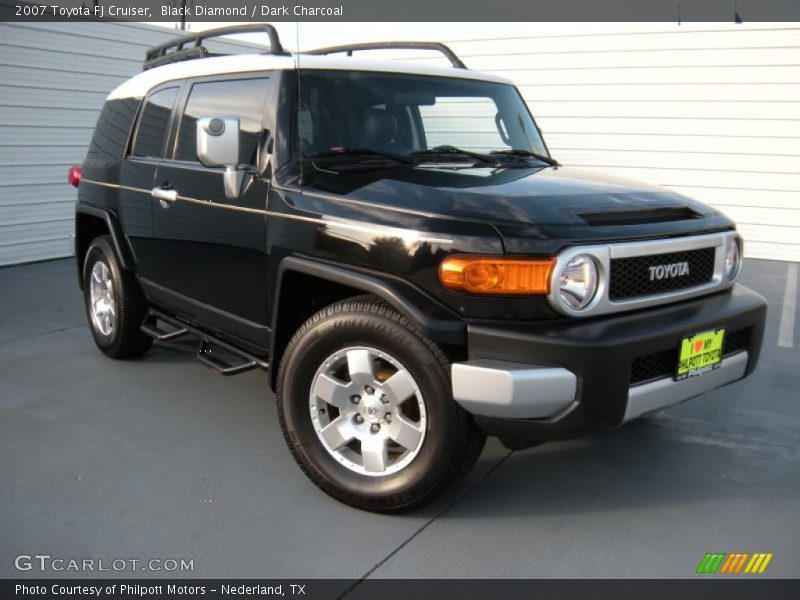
[640, 217]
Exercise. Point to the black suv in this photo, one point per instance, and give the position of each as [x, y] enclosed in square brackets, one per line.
[397, 247]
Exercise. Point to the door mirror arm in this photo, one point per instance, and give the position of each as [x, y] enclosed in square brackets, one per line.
[266, 146]
[233, 177]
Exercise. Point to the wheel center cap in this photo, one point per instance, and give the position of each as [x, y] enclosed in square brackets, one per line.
[371, 408]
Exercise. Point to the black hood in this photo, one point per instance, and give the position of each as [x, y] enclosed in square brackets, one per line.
[541, 203]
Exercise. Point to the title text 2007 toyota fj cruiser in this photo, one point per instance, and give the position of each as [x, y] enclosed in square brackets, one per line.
[397, 246]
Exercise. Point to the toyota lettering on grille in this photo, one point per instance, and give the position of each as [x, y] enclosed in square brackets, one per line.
[659, 272]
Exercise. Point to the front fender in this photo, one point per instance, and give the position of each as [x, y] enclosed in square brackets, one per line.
[430, 317]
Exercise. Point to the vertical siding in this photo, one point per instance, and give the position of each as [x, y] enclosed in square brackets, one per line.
[54, 78]
[709, 110]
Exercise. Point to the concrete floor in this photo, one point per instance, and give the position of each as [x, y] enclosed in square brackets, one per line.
[160, 458]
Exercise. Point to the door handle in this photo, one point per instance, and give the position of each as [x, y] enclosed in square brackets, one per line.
[164, 196]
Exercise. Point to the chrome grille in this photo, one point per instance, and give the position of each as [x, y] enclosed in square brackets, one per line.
[631, 283]
[633, 277]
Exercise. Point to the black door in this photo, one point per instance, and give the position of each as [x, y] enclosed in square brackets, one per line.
[137, 176]
[209, 250]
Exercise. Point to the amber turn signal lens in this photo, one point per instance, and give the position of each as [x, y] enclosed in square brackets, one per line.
[487, 275]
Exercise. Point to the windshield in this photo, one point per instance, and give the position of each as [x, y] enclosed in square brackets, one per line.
[399, 114]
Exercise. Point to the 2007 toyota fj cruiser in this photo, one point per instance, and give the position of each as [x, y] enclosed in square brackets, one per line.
[397, 246]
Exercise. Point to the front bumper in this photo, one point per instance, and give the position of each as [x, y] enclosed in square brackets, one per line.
[560, 379]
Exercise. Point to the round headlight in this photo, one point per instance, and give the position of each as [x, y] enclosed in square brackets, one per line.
[577, 281]
[733, 258]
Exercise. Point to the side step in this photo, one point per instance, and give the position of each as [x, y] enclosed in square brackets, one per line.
[205, 354]
[209, 345]
[150, 327]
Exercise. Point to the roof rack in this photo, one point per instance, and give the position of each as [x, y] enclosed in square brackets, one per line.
[350, 48]
[164, 53]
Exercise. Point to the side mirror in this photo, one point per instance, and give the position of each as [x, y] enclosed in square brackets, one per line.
[218, 146]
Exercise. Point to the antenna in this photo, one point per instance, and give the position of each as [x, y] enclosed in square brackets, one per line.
[297, 112]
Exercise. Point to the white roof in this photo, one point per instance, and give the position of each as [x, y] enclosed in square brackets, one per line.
[140, 84]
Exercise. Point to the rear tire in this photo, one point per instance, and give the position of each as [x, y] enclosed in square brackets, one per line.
[366, 409]
[115, 304]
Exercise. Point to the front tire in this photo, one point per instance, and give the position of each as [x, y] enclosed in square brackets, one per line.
[366, 409]
[115, 305]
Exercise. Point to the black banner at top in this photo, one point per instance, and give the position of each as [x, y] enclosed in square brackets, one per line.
[402, 10]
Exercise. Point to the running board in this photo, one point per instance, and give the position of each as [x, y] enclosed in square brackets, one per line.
[150, 327]
[205, 354]
[208, 343]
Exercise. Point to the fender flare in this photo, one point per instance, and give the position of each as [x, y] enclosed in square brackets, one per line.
[428, 315]
[120, 243]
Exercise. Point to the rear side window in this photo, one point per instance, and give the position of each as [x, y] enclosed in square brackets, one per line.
[114, 125]
[243, 98]
[154, 122]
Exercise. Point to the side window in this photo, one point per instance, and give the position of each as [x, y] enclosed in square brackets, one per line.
[243, 98]
[153, 124]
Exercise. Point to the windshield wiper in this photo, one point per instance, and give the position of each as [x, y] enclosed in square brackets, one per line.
[447, 151]
[360, 153]
[520, 153]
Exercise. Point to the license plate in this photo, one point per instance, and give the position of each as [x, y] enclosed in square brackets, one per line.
[699, 354]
